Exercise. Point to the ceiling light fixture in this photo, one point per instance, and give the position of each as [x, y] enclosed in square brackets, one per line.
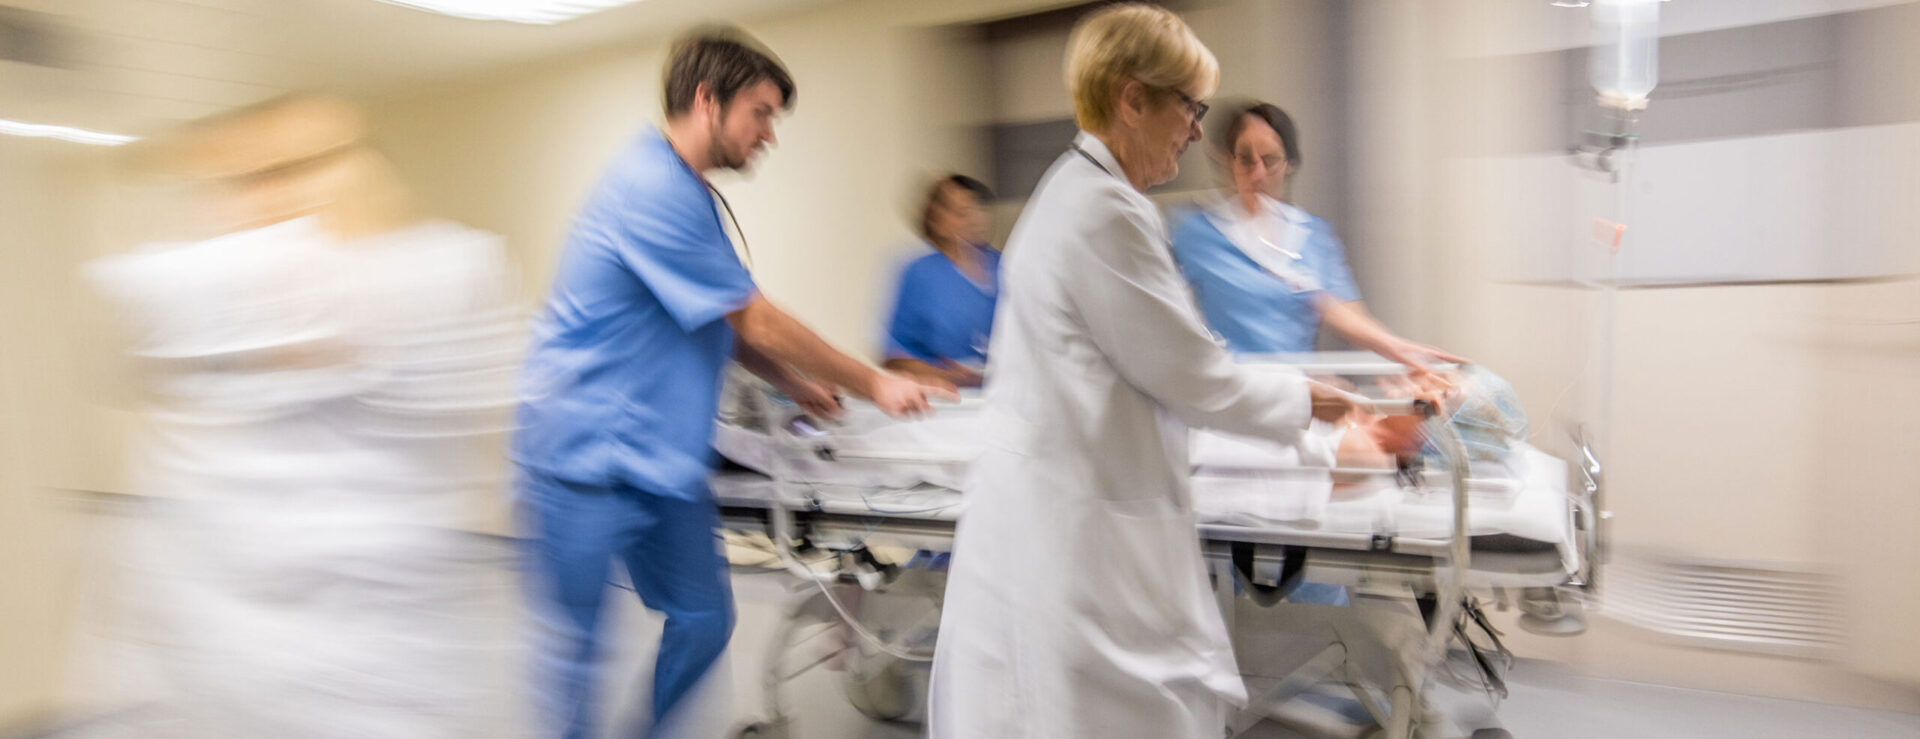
[539, 12]
[63, 133]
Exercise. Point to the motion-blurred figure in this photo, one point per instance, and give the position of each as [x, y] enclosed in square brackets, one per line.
[943, 313]
[320, 383]
[616, 416]
[1269, 275]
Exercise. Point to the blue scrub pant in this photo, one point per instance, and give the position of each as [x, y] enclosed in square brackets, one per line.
[1323, 594]
[672, 552]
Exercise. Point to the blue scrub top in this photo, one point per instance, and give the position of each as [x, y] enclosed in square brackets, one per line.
[623, 379]
[942, 314]
[1252, 309]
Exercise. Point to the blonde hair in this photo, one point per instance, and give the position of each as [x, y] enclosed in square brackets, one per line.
[1142, 42]
[309, 143]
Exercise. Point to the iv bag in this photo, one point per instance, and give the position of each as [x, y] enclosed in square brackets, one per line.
[1625, 60]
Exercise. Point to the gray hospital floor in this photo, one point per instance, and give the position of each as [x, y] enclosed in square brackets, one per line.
[1546, 701]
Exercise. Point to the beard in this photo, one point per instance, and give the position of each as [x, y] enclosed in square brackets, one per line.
[717, 151]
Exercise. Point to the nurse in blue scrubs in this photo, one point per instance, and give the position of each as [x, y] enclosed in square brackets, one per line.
[943, 311]
[1268, 275]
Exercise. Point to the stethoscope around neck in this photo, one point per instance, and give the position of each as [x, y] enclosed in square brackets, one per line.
[1091, 158]
[1264, 241]
[1252, 226]
[724, 205]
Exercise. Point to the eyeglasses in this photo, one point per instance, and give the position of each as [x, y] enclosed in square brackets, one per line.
[1195, 108]
[1246, 161]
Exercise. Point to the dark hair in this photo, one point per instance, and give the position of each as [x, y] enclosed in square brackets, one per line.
[726, 60]
[972, 186]
[1270, 114]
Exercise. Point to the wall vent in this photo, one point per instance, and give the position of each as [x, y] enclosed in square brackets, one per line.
[1737, 606]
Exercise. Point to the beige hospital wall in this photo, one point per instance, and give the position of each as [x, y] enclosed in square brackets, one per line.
[885, 97]
[1756, 424]
[882, 100]
[1286, 52]
[55, 434]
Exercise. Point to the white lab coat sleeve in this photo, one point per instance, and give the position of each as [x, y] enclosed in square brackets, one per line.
[1138, 311]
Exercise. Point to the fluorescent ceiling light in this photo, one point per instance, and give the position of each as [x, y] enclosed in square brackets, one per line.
[516, 11]
[63, 133]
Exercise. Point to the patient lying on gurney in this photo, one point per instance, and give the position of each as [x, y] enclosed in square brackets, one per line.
[866, 448]
[1515, 488]
[870, 459]
[1481, 407]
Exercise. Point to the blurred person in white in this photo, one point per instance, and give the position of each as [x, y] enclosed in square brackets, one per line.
[1078, 603]
[323, 384]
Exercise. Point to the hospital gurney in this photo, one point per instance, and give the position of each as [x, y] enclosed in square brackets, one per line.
[833, 496]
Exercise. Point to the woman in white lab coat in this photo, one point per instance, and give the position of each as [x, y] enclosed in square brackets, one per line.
[1078, 604]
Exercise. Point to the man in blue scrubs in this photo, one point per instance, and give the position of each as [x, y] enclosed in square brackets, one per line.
[621, 387]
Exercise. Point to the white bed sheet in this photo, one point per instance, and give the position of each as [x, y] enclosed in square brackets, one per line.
[1238, 481]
